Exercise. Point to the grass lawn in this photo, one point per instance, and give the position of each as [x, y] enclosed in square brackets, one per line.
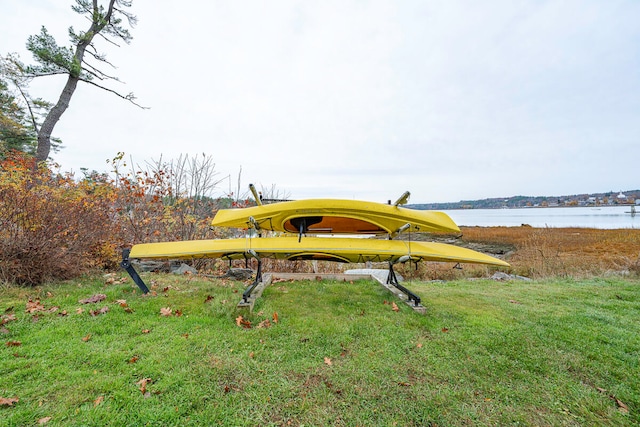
[550, 352]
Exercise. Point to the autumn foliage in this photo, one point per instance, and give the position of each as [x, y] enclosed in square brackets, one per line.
[54, 226]
[51, 226]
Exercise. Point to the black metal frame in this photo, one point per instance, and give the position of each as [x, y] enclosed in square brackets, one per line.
[392, 279]
[126, 264]
[247, 293]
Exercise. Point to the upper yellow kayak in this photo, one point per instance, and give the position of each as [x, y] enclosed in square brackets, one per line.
[334, 216]
[332, 249]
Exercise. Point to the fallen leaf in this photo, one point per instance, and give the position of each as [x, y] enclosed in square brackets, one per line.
[63, 313]
[146, 331]
[419, 345]
[394, 307]
[621, 406]
[186, 336]
[98, 401]
[93, 299]
[445, 329]
[8, 401]
[166, 311]
[512, 301]
[8, 318]
[264, 324]
[251, 355]
[86, 338]
[79, 310]
[178, 313]
[143, 384]
[34, 306]
[14, 343]
[275, 317]
[121, 302]
[328, 361]
[44, 420]
[240, 321]
[404, 384]
[134, 359]
[103, 310]
[209, 298]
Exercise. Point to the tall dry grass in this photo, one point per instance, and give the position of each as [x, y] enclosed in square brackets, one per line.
[563, 252]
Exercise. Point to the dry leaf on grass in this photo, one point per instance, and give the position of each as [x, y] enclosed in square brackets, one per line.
[14, 343]
[8, 318]
[166, 311]
[98, 401]
[93, 299]
[34, 306]
[143, 384]
[264, 324]
[8, 401]
[44, 420]
[327, 361]
[103, 310]
[241, 321]
[394, 307]
[622, 407]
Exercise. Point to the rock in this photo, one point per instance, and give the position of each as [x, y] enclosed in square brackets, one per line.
[184, 269]
[503, 277]
[239, 273]
[149, 265]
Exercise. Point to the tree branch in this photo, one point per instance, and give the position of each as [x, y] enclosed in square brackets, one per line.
[130, 97]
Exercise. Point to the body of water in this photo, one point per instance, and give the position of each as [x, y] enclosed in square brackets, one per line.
[605, 217]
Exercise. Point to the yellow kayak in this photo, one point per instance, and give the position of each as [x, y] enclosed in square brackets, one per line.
[334, 216]
[319, 248]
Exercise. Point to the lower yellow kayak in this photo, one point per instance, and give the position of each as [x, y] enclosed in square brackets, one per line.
[319, 248]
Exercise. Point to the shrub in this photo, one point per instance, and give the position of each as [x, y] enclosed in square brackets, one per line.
[51, 227]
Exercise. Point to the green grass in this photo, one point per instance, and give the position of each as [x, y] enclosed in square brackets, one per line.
[556, 353]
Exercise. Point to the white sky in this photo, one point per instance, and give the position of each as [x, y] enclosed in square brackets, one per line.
[364, 99]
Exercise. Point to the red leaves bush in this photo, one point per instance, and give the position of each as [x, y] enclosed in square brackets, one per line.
[51, 227]
[56, 227]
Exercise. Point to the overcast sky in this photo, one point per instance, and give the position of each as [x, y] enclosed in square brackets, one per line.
[359, 99]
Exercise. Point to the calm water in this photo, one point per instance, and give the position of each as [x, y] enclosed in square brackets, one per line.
[591, 217]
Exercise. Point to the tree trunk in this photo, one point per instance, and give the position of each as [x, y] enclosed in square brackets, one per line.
[98, 23]
[44, 135]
